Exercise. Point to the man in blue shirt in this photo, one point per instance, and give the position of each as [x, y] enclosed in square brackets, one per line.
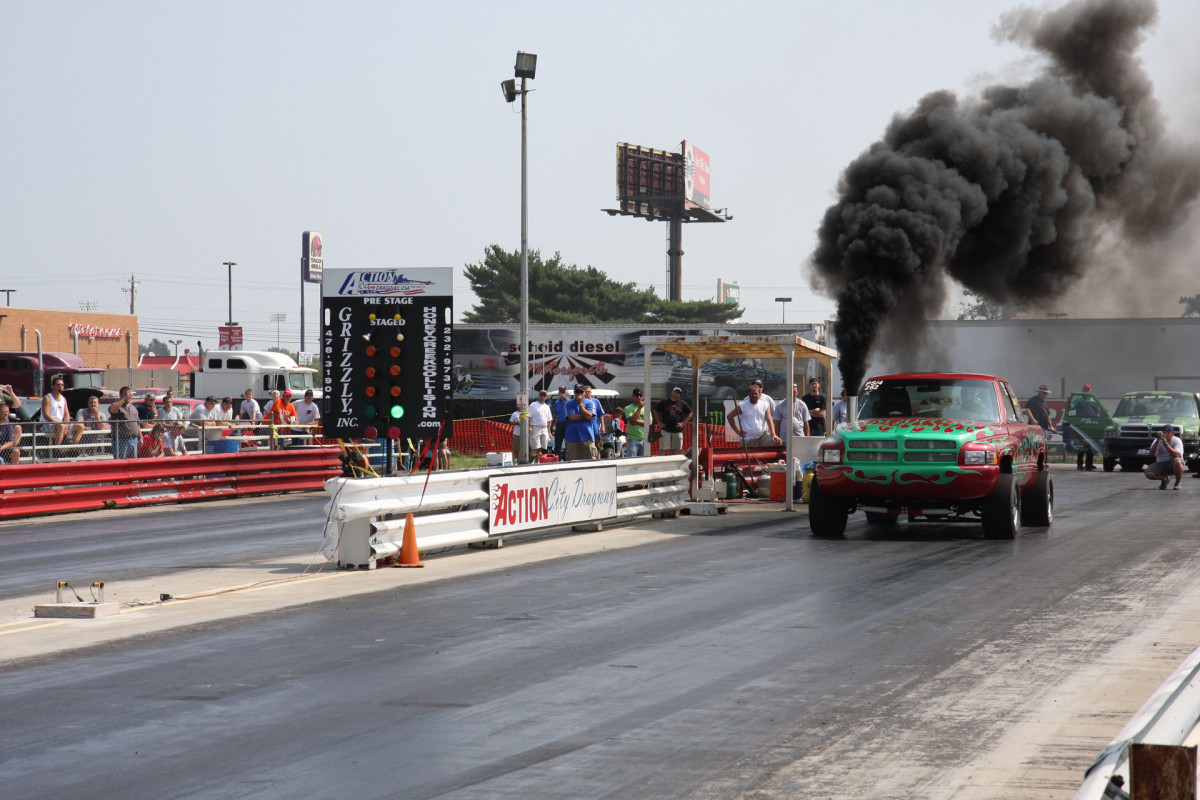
[559, 407]
[580, 441]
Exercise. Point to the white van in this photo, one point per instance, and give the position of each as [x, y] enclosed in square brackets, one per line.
[229, 373]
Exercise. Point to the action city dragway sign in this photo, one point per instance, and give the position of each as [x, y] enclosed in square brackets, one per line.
[550, 499]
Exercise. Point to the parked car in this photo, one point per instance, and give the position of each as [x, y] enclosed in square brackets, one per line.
[943, 447]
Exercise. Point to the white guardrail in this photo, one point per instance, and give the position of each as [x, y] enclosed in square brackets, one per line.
[366, 515]
[1169, 717]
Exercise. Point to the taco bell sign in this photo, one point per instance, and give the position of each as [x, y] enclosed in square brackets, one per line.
[312, 262]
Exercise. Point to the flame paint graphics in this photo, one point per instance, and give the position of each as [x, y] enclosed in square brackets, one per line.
[982, 430]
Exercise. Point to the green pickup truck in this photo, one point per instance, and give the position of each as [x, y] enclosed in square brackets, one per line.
[1139, 418]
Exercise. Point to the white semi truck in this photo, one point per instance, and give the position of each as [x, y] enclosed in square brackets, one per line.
[229, 373]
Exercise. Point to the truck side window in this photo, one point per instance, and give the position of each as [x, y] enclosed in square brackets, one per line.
[267, 384]
[214, 363]
[1012, 406]
[235, 363]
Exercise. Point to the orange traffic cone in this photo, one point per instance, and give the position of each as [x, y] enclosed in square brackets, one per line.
[409, 555]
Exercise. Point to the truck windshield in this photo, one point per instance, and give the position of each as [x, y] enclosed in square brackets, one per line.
[301, 380]
[88, 380]
[1155, 404]
[931, 399]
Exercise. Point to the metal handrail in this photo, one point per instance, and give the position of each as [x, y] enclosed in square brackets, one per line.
[1169, 717]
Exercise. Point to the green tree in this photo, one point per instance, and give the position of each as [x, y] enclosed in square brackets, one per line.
[567, 294]
[154, 348]
[1191, 305]
[976, 307]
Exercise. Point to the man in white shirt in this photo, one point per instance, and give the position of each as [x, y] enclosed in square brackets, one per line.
[308, 413]
[55, 412]
[540, 415]
[751, 420]
[200, 417]
[799, 413]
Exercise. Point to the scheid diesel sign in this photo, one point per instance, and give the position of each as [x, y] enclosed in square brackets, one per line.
[529, 501]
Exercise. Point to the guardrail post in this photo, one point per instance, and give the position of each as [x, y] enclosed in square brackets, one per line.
[354, 547]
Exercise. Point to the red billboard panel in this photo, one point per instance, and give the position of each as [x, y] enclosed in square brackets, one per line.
[697, 186]
[230, 336]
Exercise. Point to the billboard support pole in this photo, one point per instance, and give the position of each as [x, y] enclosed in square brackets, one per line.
[675, 258]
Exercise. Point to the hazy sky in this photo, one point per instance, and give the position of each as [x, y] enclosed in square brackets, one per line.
[160, 139]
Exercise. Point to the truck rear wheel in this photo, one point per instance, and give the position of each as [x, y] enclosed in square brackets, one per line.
[1109, 464]
[1002, 509]
[826, 515]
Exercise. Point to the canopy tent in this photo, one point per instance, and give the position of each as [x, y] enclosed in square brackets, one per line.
[699, 349]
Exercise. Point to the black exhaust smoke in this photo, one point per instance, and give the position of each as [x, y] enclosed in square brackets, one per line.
[1005, 193]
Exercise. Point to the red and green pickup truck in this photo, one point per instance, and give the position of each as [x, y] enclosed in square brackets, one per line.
[934, 446]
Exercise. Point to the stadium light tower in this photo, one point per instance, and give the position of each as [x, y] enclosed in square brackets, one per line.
[525, 67]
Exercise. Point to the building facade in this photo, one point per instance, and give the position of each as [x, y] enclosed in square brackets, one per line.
[108, 341]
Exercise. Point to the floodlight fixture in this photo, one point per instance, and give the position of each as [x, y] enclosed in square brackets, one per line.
[526, 64]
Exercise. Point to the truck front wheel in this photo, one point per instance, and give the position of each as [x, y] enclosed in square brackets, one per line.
[1002, 509]
[1038, 508]
[826, 515]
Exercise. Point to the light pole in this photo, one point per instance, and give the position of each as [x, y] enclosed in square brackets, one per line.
[783, 301]
[526, 67]
[277, 318]
[230, 265]
[175, 343]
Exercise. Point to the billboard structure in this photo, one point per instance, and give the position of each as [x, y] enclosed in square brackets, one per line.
[387, 352]
[673, 187]
[487, 360]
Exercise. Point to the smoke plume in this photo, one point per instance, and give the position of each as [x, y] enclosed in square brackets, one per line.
[1006, 193]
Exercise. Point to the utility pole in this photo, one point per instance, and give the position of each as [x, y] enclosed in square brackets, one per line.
[132, 292]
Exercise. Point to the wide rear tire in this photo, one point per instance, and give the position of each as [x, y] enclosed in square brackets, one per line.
[1002, 509]
[1037, 509]
[826, 515]
[1110, 464]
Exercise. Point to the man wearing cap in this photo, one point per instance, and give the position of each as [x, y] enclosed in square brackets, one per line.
[635, 424]
[308, 413]
[579, 441]
[671, 414]
[540, 418]
[280, 413]
[200, 421]
[1035, 407]
[1167, 450]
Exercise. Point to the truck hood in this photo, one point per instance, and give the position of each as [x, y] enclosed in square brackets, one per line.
[963, 430]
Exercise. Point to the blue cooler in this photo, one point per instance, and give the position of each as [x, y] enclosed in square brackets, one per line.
[222, 446]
